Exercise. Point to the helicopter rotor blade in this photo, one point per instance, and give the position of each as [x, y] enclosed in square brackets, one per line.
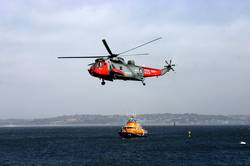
[61, 57]
[135, 54]
[107, 47]
[110, 52]
[140, 45]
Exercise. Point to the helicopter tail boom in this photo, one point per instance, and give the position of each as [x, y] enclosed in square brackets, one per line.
[152, 72]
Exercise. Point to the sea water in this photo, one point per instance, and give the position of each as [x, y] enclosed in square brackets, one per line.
[165, 145]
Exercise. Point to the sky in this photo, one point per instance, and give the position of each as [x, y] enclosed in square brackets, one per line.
[207, 40]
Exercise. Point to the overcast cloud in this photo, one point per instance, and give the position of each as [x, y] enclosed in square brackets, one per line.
[208, 41]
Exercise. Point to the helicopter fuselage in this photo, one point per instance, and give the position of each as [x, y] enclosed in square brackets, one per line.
[117, 68]
[111, 67]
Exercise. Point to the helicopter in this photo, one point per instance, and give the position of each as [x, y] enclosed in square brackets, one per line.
[113, 67]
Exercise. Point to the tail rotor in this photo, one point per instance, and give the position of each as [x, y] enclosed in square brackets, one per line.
[169, 65]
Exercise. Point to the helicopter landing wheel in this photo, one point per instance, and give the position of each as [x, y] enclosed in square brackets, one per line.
[143, 83]
[103, 82]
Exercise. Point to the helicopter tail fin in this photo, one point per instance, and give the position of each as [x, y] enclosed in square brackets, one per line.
[164, 71]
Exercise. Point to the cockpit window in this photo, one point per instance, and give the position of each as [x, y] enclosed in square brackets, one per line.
[99, 64]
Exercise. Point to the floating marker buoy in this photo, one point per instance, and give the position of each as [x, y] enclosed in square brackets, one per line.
[243, 143]
[189, 134]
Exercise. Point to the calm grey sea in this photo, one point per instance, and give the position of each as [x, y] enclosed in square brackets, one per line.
[165, 145]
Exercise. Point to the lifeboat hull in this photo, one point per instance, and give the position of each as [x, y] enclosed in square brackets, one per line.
[131, 135]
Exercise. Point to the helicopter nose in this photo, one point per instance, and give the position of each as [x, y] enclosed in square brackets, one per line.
[91, 70]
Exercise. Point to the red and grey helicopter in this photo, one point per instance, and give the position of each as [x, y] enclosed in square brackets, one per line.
[111, 67]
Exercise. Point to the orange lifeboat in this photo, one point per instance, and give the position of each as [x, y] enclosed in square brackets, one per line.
[132, 129]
